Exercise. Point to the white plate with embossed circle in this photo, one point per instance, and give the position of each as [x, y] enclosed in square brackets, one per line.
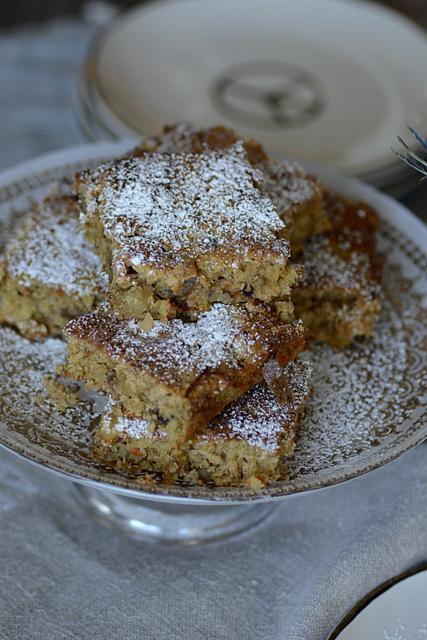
[309, 79]
[368, 405]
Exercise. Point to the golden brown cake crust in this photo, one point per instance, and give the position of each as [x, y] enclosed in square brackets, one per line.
[185, 138]
[258, 418]
[345, 257]
[179, 352]
[299, 199]
[163, 209]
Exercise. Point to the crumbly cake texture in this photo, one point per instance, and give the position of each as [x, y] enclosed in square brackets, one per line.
[49, 272]
[179, 232]
[135, 444]
[297, 195]
[178, 375]
[63, 393]
[245, 445]
[345, 415]
[339, 296]
[299, 200]
[248, 442]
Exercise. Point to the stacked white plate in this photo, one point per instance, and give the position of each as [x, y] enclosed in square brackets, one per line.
[329, 81]
[394, 611]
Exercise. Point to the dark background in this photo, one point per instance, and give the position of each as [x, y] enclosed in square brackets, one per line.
[19, 11]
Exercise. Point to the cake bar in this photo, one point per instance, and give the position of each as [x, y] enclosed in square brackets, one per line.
[297, 196]
[178, 375]
[339, 296]
[49, 272]
[245, 445]
[248, 442]
[179, 232]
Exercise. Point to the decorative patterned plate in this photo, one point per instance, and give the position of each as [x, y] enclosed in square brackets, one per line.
[369, 401]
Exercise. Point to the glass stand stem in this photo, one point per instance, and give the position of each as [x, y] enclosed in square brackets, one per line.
[153, 521]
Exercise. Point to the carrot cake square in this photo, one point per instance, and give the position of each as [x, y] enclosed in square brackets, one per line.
[49, 272]
[179, 232]
[178, 375]
[297, 195]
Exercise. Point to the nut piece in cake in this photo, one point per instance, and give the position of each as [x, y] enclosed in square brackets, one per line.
[339, 297]
[297, 196]
[245, 445]
[179, 232]
[49, 272]
[178, 375]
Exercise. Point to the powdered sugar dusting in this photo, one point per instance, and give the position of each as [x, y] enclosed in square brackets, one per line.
[360, 395]
[285, 182]
[162, 209]
[326, 269]
[178, 138]
[258, 418]
[366, 380]
[223, 336]
[288, 186]
[50, 250]
[25, 402]
[133, 427]
[129, 426]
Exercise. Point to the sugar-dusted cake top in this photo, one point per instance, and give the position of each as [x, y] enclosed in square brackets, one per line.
[325, 269]
[223, 339]
[164, 209]
[257, 417]
[345, 257]
[50, 249]
[289, 186]
[286, 183]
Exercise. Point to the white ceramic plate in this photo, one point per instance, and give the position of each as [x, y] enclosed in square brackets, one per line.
[398, 613]
[331, 81]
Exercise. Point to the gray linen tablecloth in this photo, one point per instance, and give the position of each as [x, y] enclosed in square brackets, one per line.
[63, 576]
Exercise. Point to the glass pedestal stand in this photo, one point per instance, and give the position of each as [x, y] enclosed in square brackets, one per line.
[168, 522]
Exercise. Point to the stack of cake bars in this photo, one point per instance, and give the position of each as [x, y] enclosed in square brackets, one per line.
[193, 338]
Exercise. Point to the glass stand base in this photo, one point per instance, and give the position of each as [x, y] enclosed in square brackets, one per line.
[163, 522]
